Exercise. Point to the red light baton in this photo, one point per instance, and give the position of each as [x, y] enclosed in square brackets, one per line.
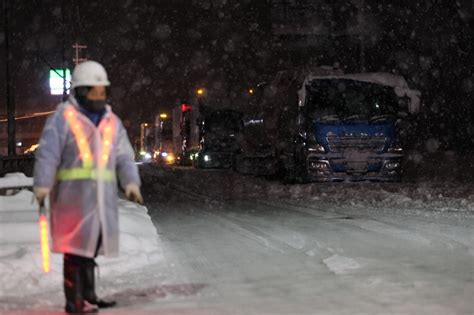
[44, 236]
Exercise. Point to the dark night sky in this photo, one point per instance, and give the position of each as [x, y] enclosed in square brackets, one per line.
[158, 52]
[155, 51]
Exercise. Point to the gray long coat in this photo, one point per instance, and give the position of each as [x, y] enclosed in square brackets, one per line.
[81, 209]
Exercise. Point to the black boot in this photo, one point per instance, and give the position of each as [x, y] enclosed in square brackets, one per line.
[74, 287]
[89, 287]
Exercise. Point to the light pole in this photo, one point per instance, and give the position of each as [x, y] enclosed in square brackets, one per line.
[200, 93]
[143, 135]
[9, 79]
[159, 121]
[63, 22]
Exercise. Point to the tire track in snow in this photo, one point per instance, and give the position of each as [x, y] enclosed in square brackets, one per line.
[336, 263]
[288, 246]
[268, 240]
[429, 237]
[377, 226]
[282, 245]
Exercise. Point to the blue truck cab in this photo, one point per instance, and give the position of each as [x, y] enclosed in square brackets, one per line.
[349, 126]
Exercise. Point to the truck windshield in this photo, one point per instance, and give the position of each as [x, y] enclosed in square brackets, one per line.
[224, 122]
[344, 99]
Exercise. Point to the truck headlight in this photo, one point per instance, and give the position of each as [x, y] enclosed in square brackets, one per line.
[395, 148]
[170, 158]
[392, 165]
[316, 148]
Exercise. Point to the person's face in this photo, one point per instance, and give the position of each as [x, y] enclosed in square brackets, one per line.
[97, 93]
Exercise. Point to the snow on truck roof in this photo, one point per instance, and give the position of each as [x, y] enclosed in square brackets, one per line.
[381, 78]
[397, 82]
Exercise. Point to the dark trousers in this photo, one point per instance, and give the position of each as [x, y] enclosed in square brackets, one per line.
[79, 280]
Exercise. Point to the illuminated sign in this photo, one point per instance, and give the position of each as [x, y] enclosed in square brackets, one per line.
[56, 81]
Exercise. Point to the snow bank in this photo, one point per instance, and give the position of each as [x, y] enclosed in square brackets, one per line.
[426, 197]
[21, 272]
[15, 180]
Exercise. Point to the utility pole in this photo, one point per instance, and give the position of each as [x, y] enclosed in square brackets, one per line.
[63, 22]
[9, 79]
[78, 49]
[285, 10]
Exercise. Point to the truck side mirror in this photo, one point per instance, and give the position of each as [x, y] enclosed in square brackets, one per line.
[414, 105]
[413, 96]
[301, 136]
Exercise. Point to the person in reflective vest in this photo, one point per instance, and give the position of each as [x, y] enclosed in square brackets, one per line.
[84, 150]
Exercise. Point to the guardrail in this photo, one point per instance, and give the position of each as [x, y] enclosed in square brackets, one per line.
[21, 163]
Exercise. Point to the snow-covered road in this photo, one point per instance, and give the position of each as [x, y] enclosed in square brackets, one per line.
[307, 255]
[277, 258]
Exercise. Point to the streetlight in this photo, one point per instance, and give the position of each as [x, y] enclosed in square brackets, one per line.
[200, 91]
[163, 116]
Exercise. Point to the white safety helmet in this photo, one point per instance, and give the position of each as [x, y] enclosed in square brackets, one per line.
[89, 73]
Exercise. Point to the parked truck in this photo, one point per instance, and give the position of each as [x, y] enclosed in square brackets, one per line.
[155, 144]
[325, 125]
[220, 132]
[186, 132]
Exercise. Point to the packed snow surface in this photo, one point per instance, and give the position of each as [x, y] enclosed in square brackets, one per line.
[21, 274]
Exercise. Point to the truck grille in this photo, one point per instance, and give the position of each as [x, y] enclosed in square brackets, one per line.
[339, 144]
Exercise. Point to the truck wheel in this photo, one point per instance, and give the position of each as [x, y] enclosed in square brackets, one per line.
[302, 176]
[306, 178]
[287, 171]
[289, 178]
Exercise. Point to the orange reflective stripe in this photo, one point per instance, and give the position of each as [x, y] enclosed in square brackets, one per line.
[107, 129]
[79, 135]
[108, 132]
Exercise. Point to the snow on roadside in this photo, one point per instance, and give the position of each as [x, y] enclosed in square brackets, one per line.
[15, 180]
[21, 272]
[426, 197]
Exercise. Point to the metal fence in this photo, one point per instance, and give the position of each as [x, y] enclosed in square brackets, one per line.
[23, 164]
